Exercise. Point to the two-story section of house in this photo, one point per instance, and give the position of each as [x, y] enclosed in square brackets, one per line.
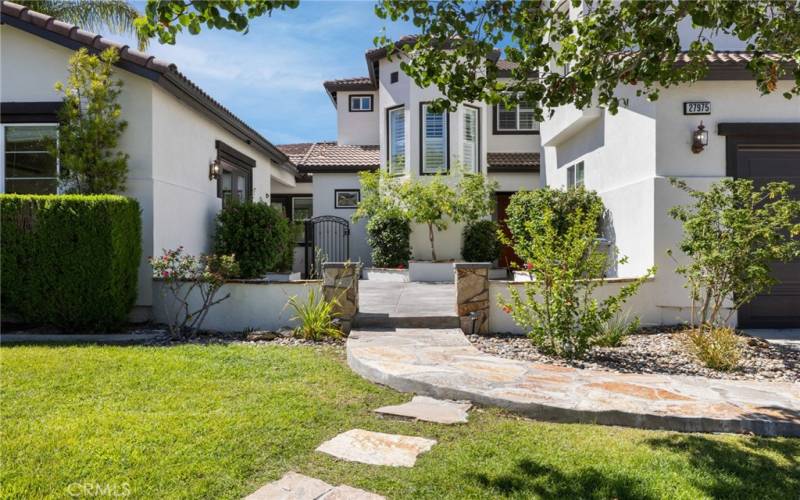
[385, 121]
[718, 127]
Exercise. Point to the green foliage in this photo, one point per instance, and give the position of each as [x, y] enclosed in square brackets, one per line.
[732, 233]
[316, 316]
[166, 19]
[186, 278]
[260, 237]
[431, 202]
[481, 243]
[70, 261]
[557, 307]
[524, 213]
[616, 330]
[380, 196]
[96, 15]
[90, 126]
[717, 348]
[475, 197]
[610, 44]
[388, 237]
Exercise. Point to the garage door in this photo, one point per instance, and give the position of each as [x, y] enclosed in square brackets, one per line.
[780, 308]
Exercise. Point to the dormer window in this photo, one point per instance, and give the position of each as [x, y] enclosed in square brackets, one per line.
[516, 119]
[359, 103]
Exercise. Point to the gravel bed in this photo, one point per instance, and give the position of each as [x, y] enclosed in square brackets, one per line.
[662, 351]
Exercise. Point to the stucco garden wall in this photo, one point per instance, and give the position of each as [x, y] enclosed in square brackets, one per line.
[258, 306]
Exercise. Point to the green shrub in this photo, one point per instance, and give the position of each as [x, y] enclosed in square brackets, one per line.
[616, 330]
[316, 316]
[481, 243]
[389, 237]
[260, 237]
[526, 209]
[70, 261]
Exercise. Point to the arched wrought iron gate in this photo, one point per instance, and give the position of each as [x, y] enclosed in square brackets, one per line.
[327, 240]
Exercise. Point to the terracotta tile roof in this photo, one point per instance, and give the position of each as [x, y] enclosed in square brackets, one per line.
[161, 72]
[331, 157]
[506, 65]
[513, 162]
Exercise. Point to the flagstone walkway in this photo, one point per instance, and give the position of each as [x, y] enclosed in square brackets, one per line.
[442, 363]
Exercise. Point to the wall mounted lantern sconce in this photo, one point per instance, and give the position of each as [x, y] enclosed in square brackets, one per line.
[699, 139]
[214, 170]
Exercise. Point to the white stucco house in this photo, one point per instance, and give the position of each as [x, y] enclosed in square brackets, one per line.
[383, 122]
[175, 133]
[629, 157]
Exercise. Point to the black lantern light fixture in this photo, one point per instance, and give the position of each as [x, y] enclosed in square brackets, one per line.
[214, 170]
[699, 139]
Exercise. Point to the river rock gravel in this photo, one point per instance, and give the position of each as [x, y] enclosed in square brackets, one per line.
[664, 352]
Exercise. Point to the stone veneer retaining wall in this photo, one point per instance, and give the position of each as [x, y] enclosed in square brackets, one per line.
[472, 296]
[340, 282]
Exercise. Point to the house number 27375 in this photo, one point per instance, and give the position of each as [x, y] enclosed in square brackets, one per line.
[697, 108]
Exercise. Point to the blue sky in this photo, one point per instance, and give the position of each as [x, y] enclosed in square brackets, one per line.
[272, 76]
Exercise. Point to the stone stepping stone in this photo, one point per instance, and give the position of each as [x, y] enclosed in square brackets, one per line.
[430, 410]
[377, 448]
[294, 486]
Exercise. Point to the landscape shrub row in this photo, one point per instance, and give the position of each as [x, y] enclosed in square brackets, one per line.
[70, 260]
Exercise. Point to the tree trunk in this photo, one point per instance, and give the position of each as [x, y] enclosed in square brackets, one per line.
[430, 235]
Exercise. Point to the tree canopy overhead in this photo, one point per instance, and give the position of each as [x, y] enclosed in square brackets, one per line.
[557, 59]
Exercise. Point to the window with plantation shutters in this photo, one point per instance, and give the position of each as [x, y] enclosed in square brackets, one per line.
[434, 141]
[470, 153]
[397, 140]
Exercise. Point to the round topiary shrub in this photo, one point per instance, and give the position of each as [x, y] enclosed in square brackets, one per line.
[389, 237]
[480, 242]
[260, 237]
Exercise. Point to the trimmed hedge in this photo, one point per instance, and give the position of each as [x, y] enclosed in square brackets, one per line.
[481, 243]
[389, 237]
[70, 260]
[260, 237]
[525, 209]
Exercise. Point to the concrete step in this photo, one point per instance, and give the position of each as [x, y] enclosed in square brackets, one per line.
[381, 320]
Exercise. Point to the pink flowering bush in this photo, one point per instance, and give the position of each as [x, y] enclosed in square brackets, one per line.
[182, 274]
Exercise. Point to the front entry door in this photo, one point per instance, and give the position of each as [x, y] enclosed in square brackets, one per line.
[780, 307]
[507, 256]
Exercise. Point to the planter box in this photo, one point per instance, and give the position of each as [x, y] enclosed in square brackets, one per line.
[498, 273]
[437, 272]
[282, 277]
[386, 274]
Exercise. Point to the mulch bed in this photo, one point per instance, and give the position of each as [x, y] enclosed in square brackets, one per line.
[662, 350]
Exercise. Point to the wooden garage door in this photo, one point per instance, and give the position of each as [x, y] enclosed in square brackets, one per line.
[780, 308]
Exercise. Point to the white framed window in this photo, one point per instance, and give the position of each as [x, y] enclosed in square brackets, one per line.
[359, 103]
[302, 208]
[434, 141]
[396, 124]
[28, 167]
[515, 119]
[575, 175]
[470, 154]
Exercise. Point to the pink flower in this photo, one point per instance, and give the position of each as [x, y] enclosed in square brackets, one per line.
[529, 265]
[165, 274]
[506, 309]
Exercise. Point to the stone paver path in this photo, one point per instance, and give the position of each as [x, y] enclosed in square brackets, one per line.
[294, 486]
[377, 448]
[443, 364]
[430, 410]
[382, 303]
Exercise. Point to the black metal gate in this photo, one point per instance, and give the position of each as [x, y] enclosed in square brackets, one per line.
[327, 240]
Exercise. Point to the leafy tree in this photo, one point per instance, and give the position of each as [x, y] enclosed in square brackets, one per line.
[431, 202]
[380, 195]
[560, 60]
[565, 267]
[94, 15]
[90, 126]
[582, 60]
[732, 233]
[165, 18]
[475, 197]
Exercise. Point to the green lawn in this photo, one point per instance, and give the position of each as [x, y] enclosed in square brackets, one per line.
[220, 421]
